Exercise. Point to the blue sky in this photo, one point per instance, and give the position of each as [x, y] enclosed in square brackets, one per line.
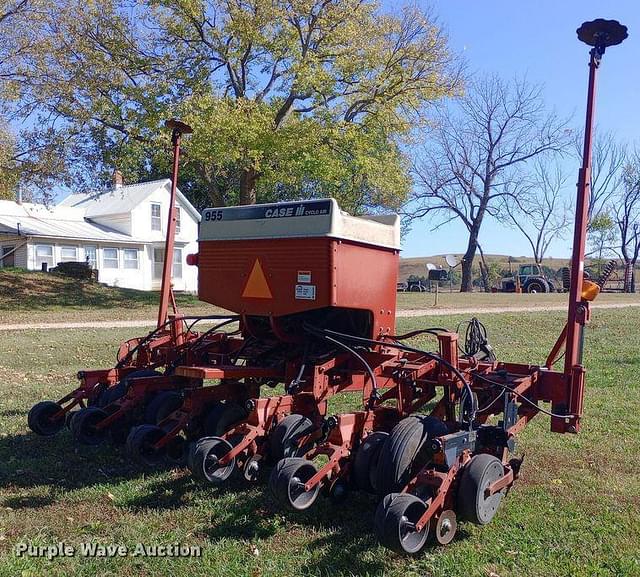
[537, 38]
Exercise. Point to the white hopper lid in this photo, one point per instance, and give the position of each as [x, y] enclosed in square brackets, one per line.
[302, 219]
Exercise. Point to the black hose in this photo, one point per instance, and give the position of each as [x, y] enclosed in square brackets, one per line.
[431, 331]
[521, 396]
[193, 345]
[155, 331]
[361, 359]
[428, 354]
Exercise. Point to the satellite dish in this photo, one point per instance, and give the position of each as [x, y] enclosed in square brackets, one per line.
[452, 261]
[431, 266]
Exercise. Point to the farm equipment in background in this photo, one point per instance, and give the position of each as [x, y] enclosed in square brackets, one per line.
[435, 437]
[530, 278]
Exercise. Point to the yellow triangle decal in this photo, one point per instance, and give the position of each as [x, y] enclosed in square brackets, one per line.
[257, 286]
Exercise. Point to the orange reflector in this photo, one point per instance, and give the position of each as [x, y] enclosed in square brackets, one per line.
[257, 286]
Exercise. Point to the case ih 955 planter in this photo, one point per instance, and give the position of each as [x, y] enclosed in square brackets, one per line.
[313, 292]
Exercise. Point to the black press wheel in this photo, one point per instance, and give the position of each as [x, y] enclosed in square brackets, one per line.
[283, 441]
[476, 476]
[40, 418]
[140, 444]
[287, 483]
[400, 451]
[396, 520]
[119, 432]
[204, 460]
[84, 429]
[381, 513]
[161, 406]
[365, 463]
[223, 416]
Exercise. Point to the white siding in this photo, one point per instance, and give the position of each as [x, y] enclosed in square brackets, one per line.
[141, 227]
[22, 257]
[135, 224]
[20, 254]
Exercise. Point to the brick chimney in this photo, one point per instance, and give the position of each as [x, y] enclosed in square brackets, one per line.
[118, 181]
[19, 195]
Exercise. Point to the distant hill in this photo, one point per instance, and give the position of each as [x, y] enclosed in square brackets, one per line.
[417, 265]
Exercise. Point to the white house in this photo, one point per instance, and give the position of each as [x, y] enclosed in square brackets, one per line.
[121, 232]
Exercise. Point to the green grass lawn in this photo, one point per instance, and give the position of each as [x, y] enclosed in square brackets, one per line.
[32, 297]
[457, 300]
[575, 511]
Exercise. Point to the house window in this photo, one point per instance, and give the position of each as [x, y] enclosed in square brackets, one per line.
[177, 220]
[90, 256]
[177, 263]
[110, 258]
[68, 253]
[158, 263]
[156, 222]
[7, 256]
[130, 258]
[44, 254]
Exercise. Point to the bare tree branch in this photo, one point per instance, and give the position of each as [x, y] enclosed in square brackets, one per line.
[479, 154]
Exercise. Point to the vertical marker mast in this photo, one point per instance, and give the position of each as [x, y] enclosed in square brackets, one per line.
[178, 129]
[599, 34]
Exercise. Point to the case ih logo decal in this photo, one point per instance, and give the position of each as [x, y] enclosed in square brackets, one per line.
[284, 210]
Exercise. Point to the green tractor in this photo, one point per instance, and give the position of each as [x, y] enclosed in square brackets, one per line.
[531, 279]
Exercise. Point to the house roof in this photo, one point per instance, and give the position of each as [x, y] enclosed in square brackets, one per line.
[29, 219]
[122, 199]
[73, 217]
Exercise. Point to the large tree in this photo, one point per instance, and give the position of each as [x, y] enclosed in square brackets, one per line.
[22, 160]
[477, 153]
[626, 213]
[607, 163]
[298, 97]
[538, 208]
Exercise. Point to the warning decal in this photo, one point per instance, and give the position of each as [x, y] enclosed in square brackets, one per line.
[257, 286]
[306, 292]
[304, 276]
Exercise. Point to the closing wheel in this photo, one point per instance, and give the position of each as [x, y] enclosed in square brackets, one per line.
[287, 483]
[446, 527]
[161, 406]
[140, 444]
[365, 463]
[83, 426]
[476, 476]
[396, 523]
[252, 468]
[223, 416]
[338, 490]
[283, 441]
[176, 450]
[119, 390]
[205, 460]
[40, 419]
[119, 432]
[400, 451]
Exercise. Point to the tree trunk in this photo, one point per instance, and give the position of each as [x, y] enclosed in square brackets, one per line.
[467, 262]
[484, 271]
[628, 276]
[248, 180]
